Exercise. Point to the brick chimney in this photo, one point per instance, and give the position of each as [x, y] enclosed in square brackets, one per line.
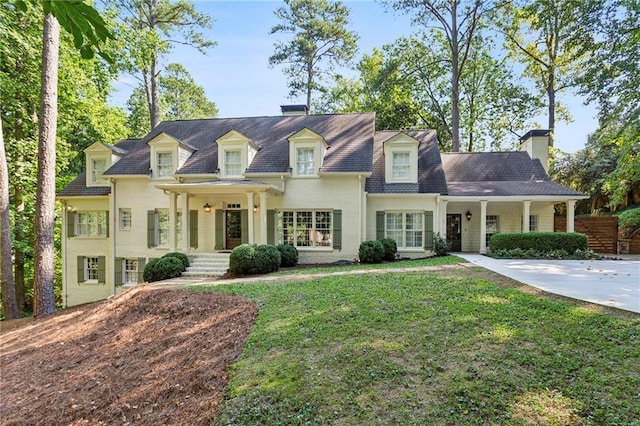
[294, 109]
[536, 144]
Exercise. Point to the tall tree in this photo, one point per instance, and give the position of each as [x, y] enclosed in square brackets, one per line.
[459, 21]
[149, 29]
[321, 42]
[550, 38]
[180, 99]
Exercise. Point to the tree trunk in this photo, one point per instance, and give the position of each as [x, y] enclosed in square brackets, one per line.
[9, 306]
[551, 93]
[309, 84]
[455, 82]
[44, 298]
[154, 106]
[19, 234]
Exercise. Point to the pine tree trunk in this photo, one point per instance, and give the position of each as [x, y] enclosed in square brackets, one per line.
[44, 299]
[154, 106]
[19, 222]
[455, 82]
[9, 306]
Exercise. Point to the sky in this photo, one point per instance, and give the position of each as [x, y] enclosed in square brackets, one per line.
[236, 76]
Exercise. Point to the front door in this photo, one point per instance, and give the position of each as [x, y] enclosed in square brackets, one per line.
[234, 229]
[454, 231]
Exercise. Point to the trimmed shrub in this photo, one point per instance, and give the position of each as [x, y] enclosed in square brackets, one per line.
[371, 251]
[539, 241]
[441, 246]
[288, 255]
[162, 269]
[266, 259]
[180, 256]
[629, 221]
[390, 248]
[241, 259]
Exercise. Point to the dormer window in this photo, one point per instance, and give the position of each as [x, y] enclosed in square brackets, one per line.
[235, 153]
[99, 157]
[98, 166]
[233, 162]
[306, 151]
[401, 159]
[164, 164]
[306, 162]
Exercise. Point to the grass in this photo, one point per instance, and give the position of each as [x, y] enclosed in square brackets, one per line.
[416, 348]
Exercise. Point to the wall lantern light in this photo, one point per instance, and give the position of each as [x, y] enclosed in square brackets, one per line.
[255, 209]
[207, 208]
[468, 215]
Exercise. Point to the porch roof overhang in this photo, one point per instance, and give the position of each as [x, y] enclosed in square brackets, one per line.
[511, 198]
[540, 190]
[219, 187]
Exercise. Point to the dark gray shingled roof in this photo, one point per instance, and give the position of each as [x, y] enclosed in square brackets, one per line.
[498, 174]
[78, 188]
[431, 177]
[349, 137]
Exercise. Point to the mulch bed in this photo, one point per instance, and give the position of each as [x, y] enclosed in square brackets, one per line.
[146, 356]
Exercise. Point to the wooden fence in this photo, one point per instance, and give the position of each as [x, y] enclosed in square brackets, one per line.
[602, 231]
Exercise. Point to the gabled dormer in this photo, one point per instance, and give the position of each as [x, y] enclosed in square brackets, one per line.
[168, 154]
[401, 159]
[235, 154]
[306, 153]
[99, 157]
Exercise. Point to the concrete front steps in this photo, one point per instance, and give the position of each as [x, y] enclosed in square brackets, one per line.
[207, 265]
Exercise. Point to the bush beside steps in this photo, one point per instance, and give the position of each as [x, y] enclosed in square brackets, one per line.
[171, 265]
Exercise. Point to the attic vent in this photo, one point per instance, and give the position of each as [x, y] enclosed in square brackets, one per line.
[294, 109]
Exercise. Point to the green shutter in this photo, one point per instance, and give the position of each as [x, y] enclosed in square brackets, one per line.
[193, 228]
[244, 226]
[337, 229]
[118, 270]
[71, 229]
[141, 265]
[151, 228]
[271, 226]
[219, 230]
[81, 269]
[428, 230]
[102, 269]
[106, 214]
[379, 225]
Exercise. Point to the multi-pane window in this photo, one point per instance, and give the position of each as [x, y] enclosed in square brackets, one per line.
[91, 224]
[405, 228]
[162, 227]
[91, 269]
[125, 219]
[232, 163]
[305, 164]
[305, 228]
[98, 166]
[492, 226]
[533, 223]
[130, 271]
[400, 165]
[164, 163]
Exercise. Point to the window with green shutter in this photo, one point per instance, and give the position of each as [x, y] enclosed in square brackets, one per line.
[118, 270]
[337, 229]
[219, 230]
[151, 228]
[271, 226]
[428, 226]
[193, 228]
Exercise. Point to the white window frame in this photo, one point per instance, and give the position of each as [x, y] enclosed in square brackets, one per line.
[401, 171]
[305, 167]
[162, 240]
[125, 219]
[129, 266]
[490, 221]
[305, 229]
[91, 224]
[91, 269]
[233, 168]
[164, 169]
[402, 234]
[96, 172]
[533, 223]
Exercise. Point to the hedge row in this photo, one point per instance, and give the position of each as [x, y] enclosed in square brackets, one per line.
[249, 259]
[539, 241]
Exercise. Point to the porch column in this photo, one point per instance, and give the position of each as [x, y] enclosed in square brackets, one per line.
[571, 212]
[526, 212]
[483, 227]
[173, 199]
[184, 206]
[263, 218]
[251, 238]
[442, 229]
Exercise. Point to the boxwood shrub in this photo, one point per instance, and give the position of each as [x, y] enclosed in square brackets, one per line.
[539, 241]
[180, 256]
[371, 251]
[288, 255]
[251, 259]
[390, 248]
[162, 269]
[267, 259]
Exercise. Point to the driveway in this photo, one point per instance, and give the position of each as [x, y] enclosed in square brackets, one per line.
[606, 282]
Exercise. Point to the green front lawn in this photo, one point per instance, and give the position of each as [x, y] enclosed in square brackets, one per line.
[417, 348]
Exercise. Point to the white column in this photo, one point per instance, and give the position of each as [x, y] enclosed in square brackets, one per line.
[263, 218]
[571, 212]
[442, 228]
[184, 206]
[250, 238]
[173, 199]
[526, 212]
[483, 227]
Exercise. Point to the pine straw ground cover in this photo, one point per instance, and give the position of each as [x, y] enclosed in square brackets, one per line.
[151, 357]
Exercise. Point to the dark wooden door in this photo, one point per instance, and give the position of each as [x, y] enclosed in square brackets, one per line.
[233, 223]
[454, 231]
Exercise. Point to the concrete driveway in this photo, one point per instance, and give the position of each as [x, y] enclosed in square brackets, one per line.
[606, 282]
